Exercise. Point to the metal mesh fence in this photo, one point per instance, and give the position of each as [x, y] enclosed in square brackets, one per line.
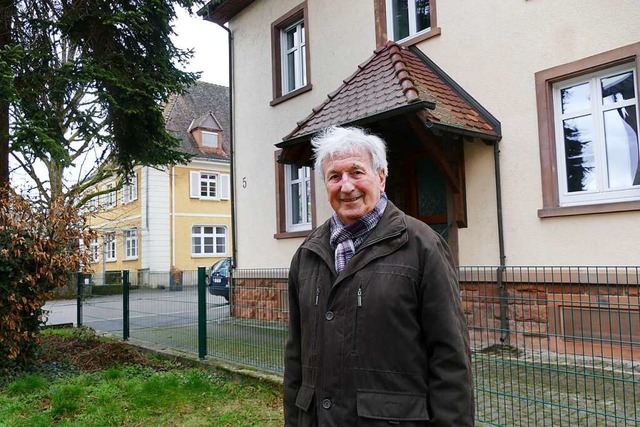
[254, 330]
[551, 345]
[554, 346]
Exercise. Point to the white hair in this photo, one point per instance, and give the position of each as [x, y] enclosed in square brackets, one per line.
[340, 141]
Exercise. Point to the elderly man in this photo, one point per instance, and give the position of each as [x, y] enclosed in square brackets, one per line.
[377, 335]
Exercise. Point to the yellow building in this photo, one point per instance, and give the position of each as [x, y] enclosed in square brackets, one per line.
[172, 218]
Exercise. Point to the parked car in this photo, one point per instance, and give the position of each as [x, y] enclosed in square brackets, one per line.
[218, 280]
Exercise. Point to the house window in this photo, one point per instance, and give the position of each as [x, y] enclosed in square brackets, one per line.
[405, 21]
[596, 124]
[298, 197]
[94, 250]
[131, 243]
[290, 51]
[109, 199]
[294, 74]
[129, 191]
[588, 126]
[209, 139]
[209, 186]
[92, 203]
[208, 240]
[110, 246]
[294, 200]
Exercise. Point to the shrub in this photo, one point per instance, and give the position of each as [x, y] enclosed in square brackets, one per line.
[39, 252]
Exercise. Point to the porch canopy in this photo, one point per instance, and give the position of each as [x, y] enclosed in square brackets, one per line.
[395, 82]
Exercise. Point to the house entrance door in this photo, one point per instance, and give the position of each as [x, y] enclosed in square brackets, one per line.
[418, 187]
[431, 196]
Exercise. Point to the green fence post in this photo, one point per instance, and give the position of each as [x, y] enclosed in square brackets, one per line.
[202, 313]
[80, 279]
[125, 304]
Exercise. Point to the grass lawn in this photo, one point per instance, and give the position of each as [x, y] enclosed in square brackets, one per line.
[83, 380]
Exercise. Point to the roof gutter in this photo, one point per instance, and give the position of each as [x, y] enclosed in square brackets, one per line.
[491, 139]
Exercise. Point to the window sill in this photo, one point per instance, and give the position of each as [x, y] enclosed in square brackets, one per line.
[131, 259]
[292, 234]
[589, 209]
[290, 95]
[412, 40]
[208, 255]
[111, 260]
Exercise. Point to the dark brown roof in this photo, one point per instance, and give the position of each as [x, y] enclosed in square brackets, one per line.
[207, 121]
[199, 100]
[394, 79]
[221, 11]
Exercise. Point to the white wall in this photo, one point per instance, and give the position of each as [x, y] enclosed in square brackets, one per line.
[156, 227]
[492, 49]
[336, 30]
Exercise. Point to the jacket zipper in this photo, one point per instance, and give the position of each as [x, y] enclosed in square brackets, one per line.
[315, 321]
[355, 328]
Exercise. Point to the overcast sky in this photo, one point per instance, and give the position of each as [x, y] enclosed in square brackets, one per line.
[210, 44]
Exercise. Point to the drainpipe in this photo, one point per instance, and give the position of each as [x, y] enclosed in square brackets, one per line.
[173, 217]
[232, 163]
[502, 289]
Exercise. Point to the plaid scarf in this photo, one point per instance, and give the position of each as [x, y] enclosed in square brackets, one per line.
[345, 239]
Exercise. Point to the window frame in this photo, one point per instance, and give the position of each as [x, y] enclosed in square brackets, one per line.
[130, 243]
[283, 229]
[129, 192]
[545, 81]
[92, 203]
[295, 16]
[289, 182]
[204, 133]
[299, 57]
[215, 235]
[223, 189]
[111, 197]
[212, 180]
[383, 23]
[94, 250]
[110, 246]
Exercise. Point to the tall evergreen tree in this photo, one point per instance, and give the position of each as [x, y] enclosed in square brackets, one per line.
[90, 77]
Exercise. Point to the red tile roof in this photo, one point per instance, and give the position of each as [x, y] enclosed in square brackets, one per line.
[396, 77]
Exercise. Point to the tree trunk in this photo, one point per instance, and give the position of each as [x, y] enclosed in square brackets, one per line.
[56, 172]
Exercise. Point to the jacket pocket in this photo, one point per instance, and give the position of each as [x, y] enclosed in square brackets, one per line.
[306, 414]
[406, 409]
[304, 397]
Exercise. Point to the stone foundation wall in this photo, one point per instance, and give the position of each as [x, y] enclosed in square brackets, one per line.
[261, 299]
[587, 319]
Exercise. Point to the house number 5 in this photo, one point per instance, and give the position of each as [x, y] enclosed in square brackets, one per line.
[244, 182]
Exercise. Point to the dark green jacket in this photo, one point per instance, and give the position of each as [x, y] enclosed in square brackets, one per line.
[383, 343]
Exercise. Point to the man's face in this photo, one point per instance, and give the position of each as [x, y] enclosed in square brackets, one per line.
[353, 186]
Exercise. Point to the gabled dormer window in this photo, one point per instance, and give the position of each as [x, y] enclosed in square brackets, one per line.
[206, 131]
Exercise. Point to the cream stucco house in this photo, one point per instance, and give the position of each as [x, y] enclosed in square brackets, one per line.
[177, 217]
[512, 126]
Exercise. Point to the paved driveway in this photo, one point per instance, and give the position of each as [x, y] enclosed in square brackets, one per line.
[148, 308]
